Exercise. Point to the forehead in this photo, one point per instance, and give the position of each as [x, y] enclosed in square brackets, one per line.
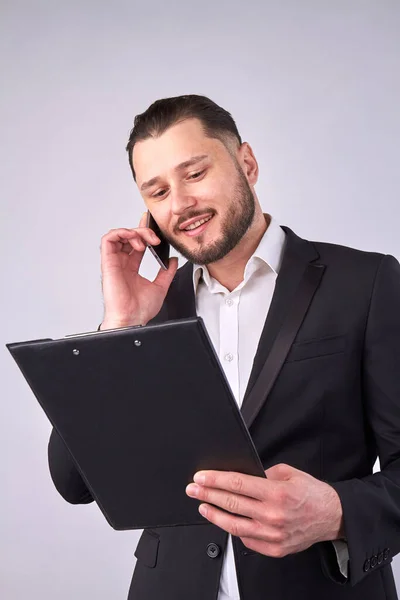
[155, 156]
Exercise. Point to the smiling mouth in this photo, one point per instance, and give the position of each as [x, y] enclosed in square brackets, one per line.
[197, 227]
[197, 224]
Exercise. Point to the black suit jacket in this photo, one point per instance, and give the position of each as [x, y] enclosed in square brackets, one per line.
[331, 410]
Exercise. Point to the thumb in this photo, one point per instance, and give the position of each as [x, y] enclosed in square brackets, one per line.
[280, 472]
[164, 277]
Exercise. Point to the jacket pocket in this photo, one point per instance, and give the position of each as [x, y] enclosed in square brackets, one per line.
[147, 548]
[314, 348]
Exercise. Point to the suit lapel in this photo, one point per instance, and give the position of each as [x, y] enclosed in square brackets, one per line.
[295, 287]
[297, 256]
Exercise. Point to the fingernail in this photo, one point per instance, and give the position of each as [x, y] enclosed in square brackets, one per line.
[192, 489]
[203, 510]
[198, 478]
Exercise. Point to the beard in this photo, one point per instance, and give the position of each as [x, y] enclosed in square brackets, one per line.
[238, 219]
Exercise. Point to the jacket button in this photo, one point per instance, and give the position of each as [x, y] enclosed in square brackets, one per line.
[367, 565]
[380, 557]
[213, 550]
[386, 553]
[374, 561]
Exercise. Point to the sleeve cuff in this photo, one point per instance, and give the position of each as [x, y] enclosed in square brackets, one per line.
[342, 555]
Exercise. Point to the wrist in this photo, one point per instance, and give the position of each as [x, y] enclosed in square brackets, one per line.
[119, 323]
[334, 517]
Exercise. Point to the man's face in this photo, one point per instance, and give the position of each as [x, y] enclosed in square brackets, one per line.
[186, 178]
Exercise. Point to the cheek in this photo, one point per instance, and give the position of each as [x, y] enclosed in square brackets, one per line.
[161, 214]
[212, 193]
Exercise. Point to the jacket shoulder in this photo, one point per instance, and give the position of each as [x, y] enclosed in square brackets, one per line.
[332, 253]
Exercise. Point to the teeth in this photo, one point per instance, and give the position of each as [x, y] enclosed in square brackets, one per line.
[197, 224]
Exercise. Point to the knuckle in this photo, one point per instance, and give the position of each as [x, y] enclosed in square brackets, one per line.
[282, 468]
[278, 520]
[236, 483]
[276, 551]
[278, 538]
[210, 480]
[234, 529]
[109, 234]
[232, 504]
[281, 552]
[281, 495]
[249, 543]
[204, 494]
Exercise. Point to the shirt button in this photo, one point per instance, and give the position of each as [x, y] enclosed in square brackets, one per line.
[228, 357]
[213, 550]
[229, 301]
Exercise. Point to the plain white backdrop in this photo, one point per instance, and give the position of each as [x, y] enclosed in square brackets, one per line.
[314, 87]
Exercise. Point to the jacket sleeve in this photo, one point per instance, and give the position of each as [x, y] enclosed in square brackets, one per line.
[64, 473]
[371, 504]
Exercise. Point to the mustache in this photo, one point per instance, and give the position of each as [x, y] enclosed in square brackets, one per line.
[191, 214]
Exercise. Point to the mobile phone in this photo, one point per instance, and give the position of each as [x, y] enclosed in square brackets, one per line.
[161, 251]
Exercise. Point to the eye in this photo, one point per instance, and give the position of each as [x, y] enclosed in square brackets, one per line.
[160, 193]
[196, 175]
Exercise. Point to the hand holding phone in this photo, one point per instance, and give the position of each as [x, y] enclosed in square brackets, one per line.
[130, 298]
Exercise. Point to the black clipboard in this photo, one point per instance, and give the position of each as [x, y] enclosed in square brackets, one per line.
[141, 409]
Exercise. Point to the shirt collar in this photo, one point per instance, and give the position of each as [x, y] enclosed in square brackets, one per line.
[268, 254]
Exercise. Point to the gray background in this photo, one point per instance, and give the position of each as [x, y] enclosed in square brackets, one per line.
[315, 89]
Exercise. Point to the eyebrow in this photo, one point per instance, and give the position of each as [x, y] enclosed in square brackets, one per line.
[180, 167]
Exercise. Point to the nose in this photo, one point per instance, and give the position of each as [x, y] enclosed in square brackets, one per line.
[181, 201]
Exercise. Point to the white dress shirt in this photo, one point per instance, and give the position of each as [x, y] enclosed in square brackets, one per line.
[234, 321]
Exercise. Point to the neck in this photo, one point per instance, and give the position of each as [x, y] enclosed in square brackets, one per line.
[229, 271]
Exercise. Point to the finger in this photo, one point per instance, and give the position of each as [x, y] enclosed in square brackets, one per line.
[126, 239]
[134, 244]
[141, 242]
[135, 260]
[147, 235]
[116, 240]
[143, 220]
[283, 472]
[236, 526]
[116, 235]
[253, 544]
[259, 545]
[164, 278]
[245, 485]
[233, 503]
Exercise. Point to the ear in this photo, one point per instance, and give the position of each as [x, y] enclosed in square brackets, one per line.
[248, 163]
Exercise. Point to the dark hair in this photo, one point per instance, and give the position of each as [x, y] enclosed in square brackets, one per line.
[162, 114]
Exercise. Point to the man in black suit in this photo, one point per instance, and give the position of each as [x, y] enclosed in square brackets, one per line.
[322, 525]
